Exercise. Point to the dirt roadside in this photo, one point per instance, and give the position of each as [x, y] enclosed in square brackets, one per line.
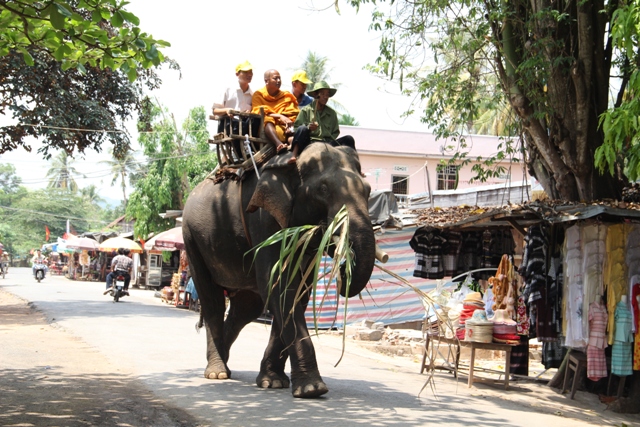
[50, 378]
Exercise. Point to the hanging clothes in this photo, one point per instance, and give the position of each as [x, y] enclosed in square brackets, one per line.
[470, 250]
[427, 244]
[519, 364]
[534, 263]
[573, 288]
[621, 353]
[451, 251]
[596, 359]
[635, 319]
[540, 270]
[552, 354]
[632, 255]
[615, 272]
[593, 256]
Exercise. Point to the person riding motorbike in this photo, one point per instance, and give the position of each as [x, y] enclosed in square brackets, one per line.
[120, 266]
[39, 259]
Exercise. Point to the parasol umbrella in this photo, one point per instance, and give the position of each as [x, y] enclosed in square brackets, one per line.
[83, 244]
[170, 240]
[115, 243]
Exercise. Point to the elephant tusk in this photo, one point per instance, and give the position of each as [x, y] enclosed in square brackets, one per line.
[381, 255]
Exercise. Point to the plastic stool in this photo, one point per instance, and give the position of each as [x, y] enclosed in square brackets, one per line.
[577, 362]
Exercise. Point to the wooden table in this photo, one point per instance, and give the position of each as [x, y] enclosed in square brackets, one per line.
[453, 365]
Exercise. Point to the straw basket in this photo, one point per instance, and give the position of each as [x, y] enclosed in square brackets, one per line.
[479, 332]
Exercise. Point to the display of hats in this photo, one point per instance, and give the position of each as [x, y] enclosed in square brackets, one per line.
[502, 316]
[503, 324]
[479, 328]
[479, 317]
[473, 297]
[506, 338]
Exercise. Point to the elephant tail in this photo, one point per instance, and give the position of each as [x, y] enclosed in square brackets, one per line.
[200, 323]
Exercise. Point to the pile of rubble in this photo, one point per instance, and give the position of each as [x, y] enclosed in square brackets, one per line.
[375, 336]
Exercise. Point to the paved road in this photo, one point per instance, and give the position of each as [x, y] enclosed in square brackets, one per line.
[160, 350]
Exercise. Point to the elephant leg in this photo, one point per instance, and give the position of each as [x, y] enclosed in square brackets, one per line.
[244, 307]
[306, 381]
[217, 349]
[211, 297]
[272, 373]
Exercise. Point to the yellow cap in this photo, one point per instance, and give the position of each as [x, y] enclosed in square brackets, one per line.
[301, 76]
[245, 66]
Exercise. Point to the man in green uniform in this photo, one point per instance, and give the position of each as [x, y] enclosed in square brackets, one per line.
[317, 122]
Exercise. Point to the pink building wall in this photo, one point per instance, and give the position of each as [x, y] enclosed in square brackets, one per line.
[384, 153]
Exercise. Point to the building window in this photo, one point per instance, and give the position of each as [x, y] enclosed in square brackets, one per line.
[447, 177]
[399, 184]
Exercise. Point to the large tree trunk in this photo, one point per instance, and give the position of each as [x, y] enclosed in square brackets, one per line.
[560, 107]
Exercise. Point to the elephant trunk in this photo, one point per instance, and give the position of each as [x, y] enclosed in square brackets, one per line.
[363, 246]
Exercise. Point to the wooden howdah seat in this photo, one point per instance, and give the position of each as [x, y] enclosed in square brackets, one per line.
[230, 143]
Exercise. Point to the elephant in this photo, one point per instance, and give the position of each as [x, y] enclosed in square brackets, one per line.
[224, 221]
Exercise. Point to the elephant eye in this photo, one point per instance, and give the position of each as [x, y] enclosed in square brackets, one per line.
[324, 189]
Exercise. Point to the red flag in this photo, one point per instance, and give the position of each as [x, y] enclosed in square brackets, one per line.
[46, 233]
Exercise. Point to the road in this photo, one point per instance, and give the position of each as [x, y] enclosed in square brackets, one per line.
[150, 356]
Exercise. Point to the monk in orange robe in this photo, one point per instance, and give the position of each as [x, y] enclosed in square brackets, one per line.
[280, 110]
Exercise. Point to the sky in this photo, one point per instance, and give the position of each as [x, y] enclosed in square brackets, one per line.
[208, 39]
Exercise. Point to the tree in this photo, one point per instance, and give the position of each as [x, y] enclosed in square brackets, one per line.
[68, 110]
[347, 120]
[61, 173]
[553, 62]
[36, 209]
[121, 168]
[316, 67]
[90, 195]
[98, 33]
[9, 181]
[177, 161]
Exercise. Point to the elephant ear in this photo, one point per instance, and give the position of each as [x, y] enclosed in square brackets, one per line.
[274, 191]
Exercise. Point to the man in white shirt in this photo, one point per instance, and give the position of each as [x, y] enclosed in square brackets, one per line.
[237, 98]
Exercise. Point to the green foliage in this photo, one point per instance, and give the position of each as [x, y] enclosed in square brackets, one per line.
[620, 123]
[9, 181]
[79, 34]
[294, 262]
[67, 110]
[24, 213]
[30, 211]
[347, 120]
[177, 161]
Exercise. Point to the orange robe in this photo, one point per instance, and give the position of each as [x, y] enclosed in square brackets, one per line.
[282, 103]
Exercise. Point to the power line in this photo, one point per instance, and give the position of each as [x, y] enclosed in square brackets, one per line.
[104, 130]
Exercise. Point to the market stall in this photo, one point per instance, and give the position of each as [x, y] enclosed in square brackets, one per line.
[576, 288]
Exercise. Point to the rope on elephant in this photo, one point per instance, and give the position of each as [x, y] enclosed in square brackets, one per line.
[227, 172]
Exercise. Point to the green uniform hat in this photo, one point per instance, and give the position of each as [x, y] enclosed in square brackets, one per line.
[322, 85]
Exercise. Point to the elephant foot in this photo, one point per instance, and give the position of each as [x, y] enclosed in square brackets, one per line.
[214, 372]
[272, 380]
[309, 387]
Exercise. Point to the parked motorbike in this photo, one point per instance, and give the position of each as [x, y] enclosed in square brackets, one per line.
[39, 271]
[117, 290]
